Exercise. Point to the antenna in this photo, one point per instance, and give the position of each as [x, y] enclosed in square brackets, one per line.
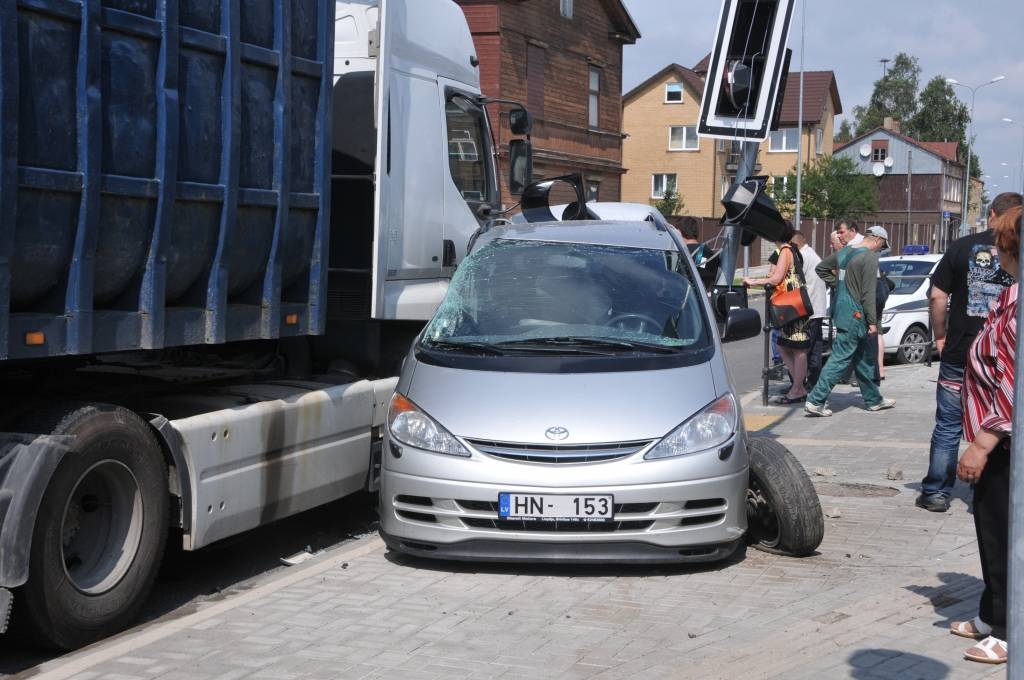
[884, 63]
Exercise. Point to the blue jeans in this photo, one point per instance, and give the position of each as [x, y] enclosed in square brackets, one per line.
[949, 430]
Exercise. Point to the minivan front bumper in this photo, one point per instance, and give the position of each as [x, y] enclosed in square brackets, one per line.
[679, 521]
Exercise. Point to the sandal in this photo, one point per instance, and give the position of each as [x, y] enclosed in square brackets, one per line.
[990, 650]
[783, 400]
[975, 629]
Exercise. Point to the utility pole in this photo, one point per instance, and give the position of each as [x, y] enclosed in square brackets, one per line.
[1015, 607]
[885, 63]
[800, 121]
[964, 225]
[910, 176]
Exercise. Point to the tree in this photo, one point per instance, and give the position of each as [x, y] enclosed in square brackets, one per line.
[845, 133]
[895, 95]
[671, 203]
[942, 117]
[832, 188]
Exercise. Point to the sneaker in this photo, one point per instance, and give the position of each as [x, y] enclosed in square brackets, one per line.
[935, 502]
[815, 410]
[882, 405]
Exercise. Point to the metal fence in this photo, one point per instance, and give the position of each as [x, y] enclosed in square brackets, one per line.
[936, 236]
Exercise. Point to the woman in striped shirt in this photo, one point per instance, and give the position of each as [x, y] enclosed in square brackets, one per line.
[988, 422]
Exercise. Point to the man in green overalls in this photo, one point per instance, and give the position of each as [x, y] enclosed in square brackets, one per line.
[854, 273]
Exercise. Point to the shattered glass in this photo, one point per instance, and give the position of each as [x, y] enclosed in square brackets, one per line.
[511, 291]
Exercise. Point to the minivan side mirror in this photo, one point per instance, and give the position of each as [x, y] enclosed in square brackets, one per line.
[520, 121]
[520, 172]
[741, 324]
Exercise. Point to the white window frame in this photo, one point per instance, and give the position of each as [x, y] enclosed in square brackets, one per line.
[784, 149]
[667, 89]
[664, 183]
[690, 140]
[877, 157]
[565, 8]
[775, 180]
[594, 97]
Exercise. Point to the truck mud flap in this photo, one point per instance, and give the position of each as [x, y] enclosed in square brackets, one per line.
[27, 462]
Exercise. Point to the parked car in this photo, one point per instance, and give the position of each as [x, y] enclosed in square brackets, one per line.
[905, 318]
[570, 401]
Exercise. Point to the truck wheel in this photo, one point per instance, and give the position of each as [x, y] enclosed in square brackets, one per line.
[101, 529]
[914, 346]
[783, 512]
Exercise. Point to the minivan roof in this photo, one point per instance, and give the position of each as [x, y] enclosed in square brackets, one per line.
[595, 232]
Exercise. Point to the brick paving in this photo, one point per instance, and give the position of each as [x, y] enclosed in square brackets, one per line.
[874, 603]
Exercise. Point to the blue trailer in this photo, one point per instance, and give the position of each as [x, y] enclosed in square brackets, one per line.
[221, 224]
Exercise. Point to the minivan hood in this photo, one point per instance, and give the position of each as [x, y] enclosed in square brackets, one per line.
[593, 407]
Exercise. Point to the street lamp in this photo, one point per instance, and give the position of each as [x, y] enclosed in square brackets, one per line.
[964, 226]
[1015, 123]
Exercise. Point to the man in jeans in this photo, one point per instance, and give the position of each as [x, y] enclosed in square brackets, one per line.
[967, 280]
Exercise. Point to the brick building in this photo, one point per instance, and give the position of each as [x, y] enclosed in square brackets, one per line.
[933, 173]
[563, 60]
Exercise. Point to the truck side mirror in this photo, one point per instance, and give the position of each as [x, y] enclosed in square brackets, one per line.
[741, 324]
[520, 121]
[520, 173]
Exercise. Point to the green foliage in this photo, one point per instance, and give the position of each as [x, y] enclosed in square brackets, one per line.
[942, 117]
[832, 188]
[671, 203]
[895, 95]
[845, 133]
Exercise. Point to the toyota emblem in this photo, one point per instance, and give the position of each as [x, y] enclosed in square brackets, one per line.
[556, 433]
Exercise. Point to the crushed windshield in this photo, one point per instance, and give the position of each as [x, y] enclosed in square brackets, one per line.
[524, 296]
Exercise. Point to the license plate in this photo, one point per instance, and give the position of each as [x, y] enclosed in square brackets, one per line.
[553, 507]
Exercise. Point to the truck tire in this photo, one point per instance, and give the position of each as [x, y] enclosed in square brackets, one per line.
[100, 533]
[911, 350]
[783, 511]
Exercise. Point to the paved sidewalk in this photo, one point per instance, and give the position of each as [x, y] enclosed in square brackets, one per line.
[875, 603]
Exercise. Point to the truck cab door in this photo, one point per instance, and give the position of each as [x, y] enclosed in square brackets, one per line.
[408, 247]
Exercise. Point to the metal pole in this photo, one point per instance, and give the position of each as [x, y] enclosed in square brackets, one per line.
[746, 261]
[964, 224]
[733, 234]
[910, 177]
[1015, 608]
[800, 122]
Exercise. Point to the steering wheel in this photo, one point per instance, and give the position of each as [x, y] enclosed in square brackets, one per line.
[641, 323]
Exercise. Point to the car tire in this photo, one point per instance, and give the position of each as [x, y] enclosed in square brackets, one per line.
[101, 530]
[910, 350]
[783, 511]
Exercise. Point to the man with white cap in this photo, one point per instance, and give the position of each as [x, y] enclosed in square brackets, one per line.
[854, 273]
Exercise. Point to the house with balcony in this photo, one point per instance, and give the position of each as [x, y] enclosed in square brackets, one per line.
[662, 149]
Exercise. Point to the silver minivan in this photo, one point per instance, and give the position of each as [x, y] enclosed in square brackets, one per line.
[570, 401]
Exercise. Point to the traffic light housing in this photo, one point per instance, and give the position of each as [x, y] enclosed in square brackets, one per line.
[746, 71]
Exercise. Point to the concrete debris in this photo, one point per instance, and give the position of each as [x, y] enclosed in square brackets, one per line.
[894, 472]
[825, 472]
[833, 513]
[300, 557]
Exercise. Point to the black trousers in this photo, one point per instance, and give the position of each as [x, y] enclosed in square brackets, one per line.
[992, 523]
[814, 358]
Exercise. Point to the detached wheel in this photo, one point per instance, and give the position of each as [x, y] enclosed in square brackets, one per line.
[101, 529]
[783, 512]
[914, 346]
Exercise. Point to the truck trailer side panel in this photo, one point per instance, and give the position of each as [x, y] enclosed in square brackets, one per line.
[164, 173]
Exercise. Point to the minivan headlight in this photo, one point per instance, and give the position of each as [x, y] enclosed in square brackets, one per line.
[412, 427]
[888, 317]
[710, 428]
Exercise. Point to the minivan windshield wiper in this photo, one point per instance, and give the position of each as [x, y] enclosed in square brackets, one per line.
[589, 343]
[468, 347]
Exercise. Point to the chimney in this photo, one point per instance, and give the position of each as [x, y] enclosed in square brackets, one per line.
[891, 124]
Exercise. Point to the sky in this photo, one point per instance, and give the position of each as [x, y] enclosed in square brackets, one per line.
[972, 42]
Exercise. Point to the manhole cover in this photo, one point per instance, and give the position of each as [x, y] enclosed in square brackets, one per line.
[839, 490]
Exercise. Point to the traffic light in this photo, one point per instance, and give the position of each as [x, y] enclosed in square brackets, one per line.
[746, 70]
[748, 206]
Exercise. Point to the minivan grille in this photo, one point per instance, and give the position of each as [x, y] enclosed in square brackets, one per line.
[543, 453]
[558, 527]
